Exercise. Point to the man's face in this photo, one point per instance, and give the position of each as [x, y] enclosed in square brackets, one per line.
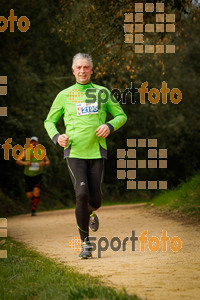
[34, 143]
[82, 71]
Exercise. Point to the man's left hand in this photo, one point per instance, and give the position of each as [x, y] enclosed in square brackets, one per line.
[103, 131]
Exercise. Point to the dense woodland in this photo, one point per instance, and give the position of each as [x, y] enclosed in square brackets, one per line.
[38, 66]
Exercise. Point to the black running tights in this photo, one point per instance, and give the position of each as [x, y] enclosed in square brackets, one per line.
[87, 177]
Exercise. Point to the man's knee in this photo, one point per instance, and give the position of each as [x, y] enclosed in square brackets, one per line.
[82, 196]
[36, 192]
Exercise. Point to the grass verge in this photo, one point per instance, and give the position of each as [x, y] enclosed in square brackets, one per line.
[184, 199]
[26, 274]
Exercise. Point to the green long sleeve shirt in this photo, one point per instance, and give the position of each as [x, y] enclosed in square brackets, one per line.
[84, 108]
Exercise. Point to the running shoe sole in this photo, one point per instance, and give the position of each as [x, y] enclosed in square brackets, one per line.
[94, 222]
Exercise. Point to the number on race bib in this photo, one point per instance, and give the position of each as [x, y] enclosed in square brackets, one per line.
[86, 108]
[34, 167]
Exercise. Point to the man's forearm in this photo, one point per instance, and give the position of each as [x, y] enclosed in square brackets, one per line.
[20, 162]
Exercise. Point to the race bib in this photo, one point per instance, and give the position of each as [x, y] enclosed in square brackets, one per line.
[34, 167]
[86, 108]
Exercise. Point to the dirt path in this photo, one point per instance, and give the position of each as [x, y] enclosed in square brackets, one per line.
[154, 275]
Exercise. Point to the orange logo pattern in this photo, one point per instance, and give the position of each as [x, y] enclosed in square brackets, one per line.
[75, 96]
[75, 244]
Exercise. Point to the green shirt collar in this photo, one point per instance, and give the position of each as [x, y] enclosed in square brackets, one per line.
[83, 87]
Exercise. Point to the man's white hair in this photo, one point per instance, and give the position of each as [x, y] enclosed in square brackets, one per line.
[82, 56]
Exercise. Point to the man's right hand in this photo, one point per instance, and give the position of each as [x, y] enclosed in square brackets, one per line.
[63, 140]
[27, 163]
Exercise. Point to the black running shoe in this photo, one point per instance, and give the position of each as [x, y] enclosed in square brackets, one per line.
[94, 222]
[33, 214]
[87, 250]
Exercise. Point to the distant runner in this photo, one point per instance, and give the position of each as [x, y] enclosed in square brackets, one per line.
[33, 174]
[84, 141]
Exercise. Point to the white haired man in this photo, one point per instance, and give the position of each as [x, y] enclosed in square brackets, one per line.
[84, 141]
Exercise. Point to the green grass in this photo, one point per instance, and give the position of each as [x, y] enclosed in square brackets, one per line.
[184, 199]
[25, 274]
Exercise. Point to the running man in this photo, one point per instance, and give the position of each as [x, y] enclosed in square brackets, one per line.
[84, 141]
[33, 174]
